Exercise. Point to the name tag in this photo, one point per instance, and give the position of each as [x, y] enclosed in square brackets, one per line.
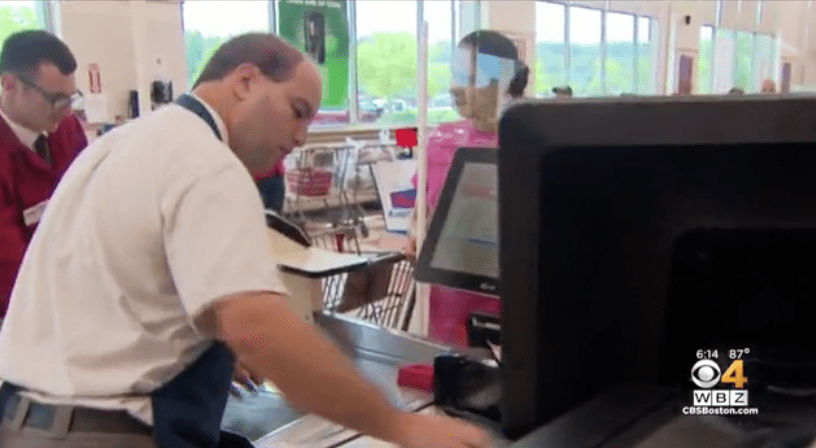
[33, 214]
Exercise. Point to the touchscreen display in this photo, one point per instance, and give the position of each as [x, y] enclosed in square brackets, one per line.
[468, 241]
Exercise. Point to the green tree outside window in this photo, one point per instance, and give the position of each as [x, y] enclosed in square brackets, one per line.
[14, 19]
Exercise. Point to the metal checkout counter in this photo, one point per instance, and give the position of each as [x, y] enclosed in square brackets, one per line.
[267, 420]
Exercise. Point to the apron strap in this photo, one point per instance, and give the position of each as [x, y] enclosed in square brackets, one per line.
[193, 105]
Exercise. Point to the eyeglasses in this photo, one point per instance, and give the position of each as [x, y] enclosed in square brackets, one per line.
[58, 101]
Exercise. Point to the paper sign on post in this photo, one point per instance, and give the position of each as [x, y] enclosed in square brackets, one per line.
[397, 194]
[96, 108]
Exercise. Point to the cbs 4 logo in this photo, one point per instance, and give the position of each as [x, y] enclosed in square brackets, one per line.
[706, 374]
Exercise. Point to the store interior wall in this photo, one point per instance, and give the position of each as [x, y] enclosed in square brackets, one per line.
[132, 41]
[127, 38]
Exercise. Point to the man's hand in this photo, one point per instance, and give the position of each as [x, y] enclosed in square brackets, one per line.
[243, 378]
[431, 431]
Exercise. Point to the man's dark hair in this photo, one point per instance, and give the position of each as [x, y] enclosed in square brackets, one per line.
[499, 45]
[23, 52]
[273, 56]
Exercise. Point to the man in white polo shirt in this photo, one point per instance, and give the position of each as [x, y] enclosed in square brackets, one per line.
[149, 275]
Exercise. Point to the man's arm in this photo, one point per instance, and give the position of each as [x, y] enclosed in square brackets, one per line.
[12, 246]
[275, 343]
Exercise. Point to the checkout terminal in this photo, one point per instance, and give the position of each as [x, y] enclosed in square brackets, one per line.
[656, 260]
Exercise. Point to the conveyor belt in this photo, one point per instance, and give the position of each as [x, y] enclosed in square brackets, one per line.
[268, 420]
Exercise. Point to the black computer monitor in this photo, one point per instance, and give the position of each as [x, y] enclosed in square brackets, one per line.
[461, 249]
[635, 232]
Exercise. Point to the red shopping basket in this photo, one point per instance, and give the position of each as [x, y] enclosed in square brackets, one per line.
[309, 181]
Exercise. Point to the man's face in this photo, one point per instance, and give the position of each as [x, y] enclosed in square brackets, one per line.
[271, 119]
[39, 100]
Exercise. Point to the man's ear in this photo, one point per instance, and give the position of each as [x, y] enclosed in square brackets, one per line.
[242, 80]
[8, 82]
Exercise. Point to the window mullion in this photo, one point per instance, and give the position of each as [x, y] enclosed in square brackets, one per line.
[354, 86]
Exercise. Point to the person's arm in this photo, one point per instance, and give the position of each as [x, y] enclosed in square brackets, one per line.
[272, 341]
[12, 246]
[276, 344]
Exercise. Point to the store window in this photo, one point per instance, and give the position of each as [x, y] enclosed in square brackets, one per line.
[764, 63]
[386, 61]
[743, 65]
[383, 81]
[725, 50]
[21, 15]
[705, 60]
[550, 65]
[441, 38]
[628, 45]
[647, 56]
[208, 24]
[585, 51]
[729, 58]
[620, 53]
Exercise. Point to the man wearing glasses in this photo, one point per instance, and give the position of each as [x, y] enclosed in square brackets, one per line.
[39, 138]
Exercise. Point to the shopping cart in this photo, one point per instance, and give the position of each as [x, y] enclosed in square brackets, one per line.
[314, 180]
[318, 184]
[381, 293]
[359, 181]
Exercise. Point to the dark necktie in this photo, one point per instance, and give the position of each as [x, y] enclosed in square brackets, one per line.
[41, 147]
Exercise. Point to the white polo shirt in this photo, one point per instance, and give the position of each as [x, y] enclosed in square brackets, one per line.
[150, 225]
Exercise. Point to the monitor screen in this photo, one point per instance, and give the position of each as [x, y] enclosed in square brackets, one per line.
[461, 248]
[636, 233]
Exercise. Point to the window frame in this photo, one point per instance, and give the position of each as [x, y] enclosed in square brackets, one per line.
[773, 51]
[353, 87]
[567, 45]
[605, 46]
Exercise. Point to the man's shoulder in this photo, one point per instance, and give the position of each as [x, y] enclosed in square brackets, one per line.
[174, 123]
[168, 129]
[8, 141]
[179, 142]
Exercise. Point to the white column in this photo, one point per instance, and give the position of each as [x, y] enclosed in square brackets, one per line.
[422, 308]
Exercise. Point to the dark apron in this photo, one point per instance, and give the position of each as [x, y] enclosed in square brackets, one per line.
[187, 411]
[273, 192]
